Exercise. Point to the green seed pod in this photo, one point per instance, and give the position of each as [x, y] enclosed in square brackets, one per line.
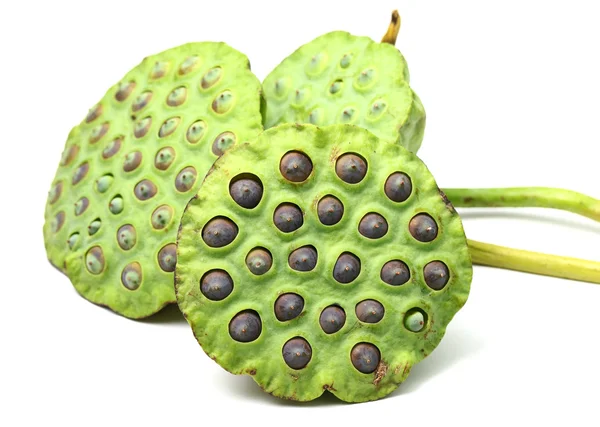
[341, 78]
[130, 167]
[322, 305]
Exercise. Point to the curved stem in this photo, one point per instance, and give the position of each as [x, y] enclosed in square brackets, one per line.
[522, 197]
[394, 28]
[534, 262]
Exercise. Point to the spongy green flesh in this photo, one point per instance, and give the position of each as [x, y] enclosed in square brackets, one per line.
[341, 78]
[330, 367]
[163, 75]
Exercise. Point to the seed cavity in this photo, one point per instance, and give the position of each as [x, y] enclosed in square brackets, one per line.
[177, 96]
[436, 275]
[98, 132]
[216, 285]
[245, 326]
[81, 205]
[196, 131]
[211, 77]
[351, 168]
[80, 173]
[346, 60]
[348, 115]
[301, 96]
[395, 273]
[347, 268]
[365, 357]
[332, 319]
[288, 217]
[288, 306]
[164, 158]
[73, 241]
[116, 205]
[369, 311]
[259, 261]
[132, 161]
[167, 257]
[415, 320]
[104, 182]
[141, 101]
[223, 142]
[188, 65]
[398, 187]
[57, 222]
[423, 228]
[94, 260]
[126, 237]
[295, 166]
[142, 127]
[94, 113]
[373, 226]
[223, 102]
[246, 190]
[55, 192]
[378, 107]
[145, 189]
[316, 116]
[366, 78]
[94, 226]
[336, 86]
[124, 90]
[168, 127]
[303, 259]
[316, 64]
[159, 70]
[185, 179]
[162, 217]
[112, 148]
[297, 352]
[219, 231]
[282, 87]
[131, 276]
[330, 210]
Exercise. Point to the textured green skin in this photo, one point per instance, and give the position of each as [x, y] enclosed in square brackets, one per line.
[330, 367]
[243, 119]
[404, 119]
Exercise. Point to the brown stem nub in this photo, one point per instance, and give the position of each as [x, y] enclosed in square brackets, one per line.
[392, 32]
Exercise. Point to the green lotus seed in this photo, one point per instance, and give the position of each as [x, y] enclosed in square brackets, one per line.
[131, 276]
[188, 65]
[81, 205]
[124, 90]
[164, 158]
[196, 131]
[55, 193]
[336, 86]
[73, 241]
[159, 70]
[142, 127]
[112, 148]
[377, 109]
[69, 154]
[132, 161]
[177, 96]
[282, 87]
[116, 205]
[126, 237]
[346, 60]
[94, 113]
[302, 96]
[94, 260]
[366, 79]
[211, 77]
[141, 101]
[145, 190]
[223, 102]
[167, 258]
[223, 142]
[58, 221]
[168, 127]
[317, 64]
[162, 217]
[104, 182]
[415, 320]
[98, 132]
[80, 173]
[186, 179]
[94, 226]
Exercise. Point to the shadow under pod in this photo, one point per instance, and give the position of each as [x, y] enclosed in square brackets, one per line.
[168, 315]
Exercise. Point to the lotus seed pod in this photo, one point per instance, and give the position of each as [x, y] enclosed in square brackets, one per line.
[130, 167]
[322, 307]
[341, 78]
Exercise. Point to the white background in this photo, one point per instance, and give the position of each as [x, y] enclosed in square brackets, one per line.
[512, 93]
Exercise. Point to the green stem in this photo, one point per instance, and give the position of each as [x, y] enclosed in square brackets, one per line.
[534, 262]
[526, 197]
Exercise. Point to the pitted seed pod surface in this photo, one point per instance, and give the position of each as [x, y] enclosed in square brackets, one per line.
[341, 78]
[130, 167]
[327, 308]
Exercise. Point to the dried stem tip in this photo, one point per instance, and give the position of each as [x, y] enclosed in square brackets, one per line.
[394, 28]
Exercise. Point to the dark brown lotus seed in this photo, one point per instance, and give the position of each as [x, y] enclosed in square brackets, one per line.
[98, 132]
[395, 273]
[145, 189]
[116, 205]
[295, 166]
[168, 127]
[112, 148]
[246, 190]
[55, 192]
[196, 131]
[373, 226]
[303, 259]
[398, 187]
[330, 210]
[436, 275]
[185, 179]
[126, 237]
[141, 101]
[124, 91]
[365, 357]
[219, 232]
[131, 276]
[167, 257]
[142, 126]
[288, 217]
[132, 161]
[177, 96]
[332, 319]
[211, 77]
[347, 268]
[351, 168]
[297, 353]
[245, 326]
[223, 142]
[288, 306]
[94, 226]
[81, 205]
[415, 320]
[94, 260]
[80, 173]
[164, 158]
[94, 113]
[369, 311]
[423, 228]
[259, 261]
[216, 285]
[162, 216]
